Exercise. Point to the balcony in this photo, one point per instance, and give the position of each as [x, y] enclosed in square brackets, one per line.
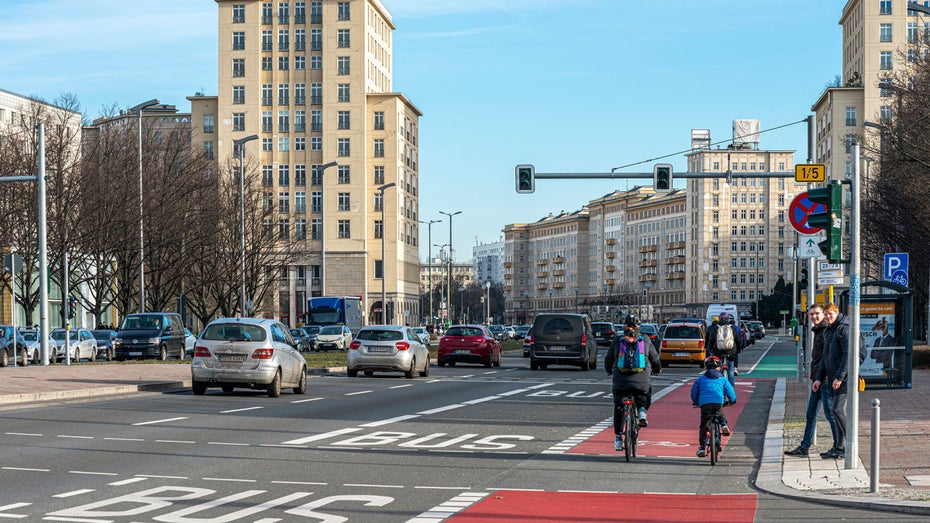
[610, 254]
[542, 262]
[649, 248]
[558, 272]
[542, 286]
[558, 259]
[508, 288]
[648, 263]
[542, 275]
[508, 265]
[674, 260]
[610, 282]
[675, 245]
[558, 285]
[648, 277]
[611, 241]
[508, 276]
[610, 268]
[678, 275]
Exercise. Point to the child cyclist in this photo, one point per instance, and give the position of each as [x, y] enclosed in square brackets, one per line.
[710, 391]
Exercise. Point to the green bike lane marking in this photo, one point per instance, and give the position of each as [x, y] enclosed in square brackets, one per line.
[775, 366]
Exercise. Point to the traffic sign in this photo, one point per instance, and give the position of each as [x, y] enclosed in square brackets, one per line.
[827, 270]
[808, 246]
[13, 263]
[830, 281]
[895, 268]
[810, 172]
[801, 207]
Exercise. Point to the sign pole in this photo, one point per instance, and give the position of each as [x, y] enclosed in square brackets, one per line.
[852, 374]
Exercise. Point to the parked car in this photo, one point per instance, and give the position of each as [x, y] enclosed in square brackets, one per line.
[82, 342]
[308, 342]
[423, 334]
[105, 339]
[387, 348]
[756, 329]
[510, 332]
[651, 330]
[34, 346]
[333, 337]
[469, 344]
[189, 341]
[562, 339]
[521, 331]
[6, 344]
[298, 335]
[497, 332]
[603, 333]
[683, 343]
[251, 353]
[150, 335]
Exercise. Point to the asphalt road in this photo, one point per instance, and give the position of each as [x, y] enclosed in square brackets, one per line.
[465, 444]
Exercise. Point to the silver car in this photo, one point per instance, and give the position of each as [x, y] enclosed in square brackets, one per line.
[251, 353]
[335, 337]
[82, 343]
[387, 348]
[423, 334]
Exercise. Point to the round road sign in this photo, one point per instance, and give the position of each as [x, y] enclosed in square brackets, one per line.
[801, 207]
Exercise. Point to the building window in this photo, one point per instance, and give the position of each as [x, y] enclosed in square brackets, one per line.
[316, 93]
[850, 116]
[283, 14]
[316, 12]
[267, 40]
[284, 202]
[885, 60]
[283, 63]
[884, 7]
[284, 229]
[238, 121]
[378, 201]
[344, 230]
[300, 201]
[238, 40]
[316, 229]
[300, 143]
[266, 144]
[379, 120]
[284, 121]
[267, 201]
[300, 39]
[300, 63]
[238, 66]
[208, 120]
[238, 12]
[884, 113]
[267, 10]
[342, 200]
[300, 175]
[267, 65]
[267, 122]
[342, 147]
[343, 10]
[342, 93]
[238, 94]
[316, 62]
[283, 40]
[379, 175]
[300, 93]
[208, 150]
[912, 32]
[267, 96]
[300, 229]
[343, 175]
[379, 267]
[342, 65]
[342, 38]
[284, 144]
[343, 117]
[316, 120]
[284, 94]
[884, 32]
[379, 229]
[300, 12]
[316, 143]
[284, 175]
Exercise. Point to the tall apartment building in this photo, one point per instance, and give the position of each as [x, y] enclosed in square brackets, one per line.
[488, 261]
[313, 79]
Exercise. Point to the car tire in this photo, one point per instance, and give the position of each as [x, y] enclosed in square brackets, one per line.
[425, 372]
[181, 352]
[199, 388]
[301, 387]
[36, 358]
[163, 354]
[593, 364]
[534, 365]
[411, 371]
[585, 366]
[274, 388]
[351, 373]
[440, 362]
[488, 362]
[228, 388]
[110, 355]
[497, 362]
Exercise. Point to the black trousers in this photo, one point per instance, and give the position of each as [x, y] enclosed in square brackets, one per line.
[708, 410]
[640, 399]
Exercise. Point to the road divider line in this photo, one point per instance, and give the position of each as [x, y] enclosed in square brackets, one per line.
[371, 485]
[23, 434]
[325, 435]
[240, 410]
[156, 476]
[313, 483]
[359, 392]
[441, 409]
[390, 420]
[231, 480]
[123, 439]
[306, 400]
[227, 443]
[66, 436]
[90, 473]
[174, 441]
[158, 421]
[126, 482]
[26, 469]
[400, 386]
[481, 400]
[73, 493]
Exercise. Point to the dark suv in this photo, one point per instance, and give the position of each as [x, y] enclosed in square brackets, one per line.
[603, 333]
[562, 339]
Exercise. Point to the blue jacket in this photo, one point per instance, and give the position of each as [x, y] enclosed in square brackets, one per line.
[710, 388]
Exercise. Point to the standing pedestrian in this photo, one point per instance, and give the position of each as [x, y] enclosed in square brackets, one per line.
[819, 396]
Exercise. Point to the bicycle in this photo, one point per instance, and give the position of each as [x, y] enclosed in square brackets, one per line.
[630, 428]
[714, 437]
[726, 370]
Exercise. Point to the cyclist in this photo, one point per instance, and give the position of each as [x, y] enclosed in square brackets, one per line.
[725, 346]
[631, 383]
[710, 391]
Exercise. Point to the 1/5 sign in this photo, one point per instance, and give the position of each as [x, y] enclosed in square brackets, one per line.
[810, 172]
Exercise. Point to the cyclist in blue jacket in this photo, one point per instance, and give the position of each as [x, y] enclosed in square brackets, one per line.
[710, 391]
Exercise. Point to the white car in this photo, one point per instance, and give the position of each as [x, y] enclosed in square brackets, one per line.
[423, 334]
[83, 345]
[189, 340]
[333, 337]
[33, 347]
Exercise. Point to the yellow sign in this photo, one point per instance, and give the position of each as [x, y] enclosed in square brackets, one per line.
[810, 172]
[819, 297]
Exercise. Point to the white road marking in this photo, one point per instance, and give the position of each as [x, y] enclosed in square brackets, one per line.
[66, 436]
[306, 400]
[174, 441]
[228, 443]
[158, 421]
[366, 485]
[314, 483]
[447, 509]
[11, 507]
[156, 476]
[481, 400]
[490, 372]
[73, 493]
[25, 469]
[91, 473]
[434, 487]
[441, 409]
[359, 392]
[324, 435]
[123, 439]
[389, 420]
[240, 410]
[400, 386]
[126, 481]
[22, 434]
[234, 480]
[281, 445]
[466, 376]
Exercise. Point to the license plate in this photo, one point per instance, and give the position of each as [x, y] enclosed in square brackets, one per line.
[135, 354]
[463, 351]
[681, 354]
[378, 349]
[556, 347]
[232, 358]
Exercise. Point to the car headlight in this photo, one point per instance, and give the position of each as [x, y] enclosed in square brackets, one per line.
[155, 341]
[117, 341]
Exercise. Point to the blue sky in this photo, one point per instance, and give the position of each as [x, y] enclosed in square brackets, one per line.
[567, 85]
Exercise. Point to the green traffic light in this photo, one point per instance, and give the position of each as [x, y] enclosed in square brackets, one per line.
[830, 221]
[526, 179]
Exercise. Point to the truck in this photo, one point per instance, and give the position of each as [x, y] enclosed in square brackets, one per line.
[715, 309]
[335, 310]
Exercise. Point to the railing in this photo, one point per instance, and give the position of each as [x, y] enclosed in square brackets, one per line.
[558, 259]
[541, 275]
[648, 277]
[542, 262]
[648, 263]
[610, 268]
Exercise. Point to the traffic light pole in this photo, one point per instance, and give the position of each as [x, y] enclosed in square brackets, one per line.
[649, 175]
[852, 373]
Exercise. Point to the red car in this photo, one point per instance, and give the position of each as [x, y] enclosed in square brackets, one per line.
[469, 344]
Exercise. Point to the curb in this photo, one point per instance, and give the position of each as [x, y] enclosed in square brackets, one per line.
[14, 399]
[769, 477]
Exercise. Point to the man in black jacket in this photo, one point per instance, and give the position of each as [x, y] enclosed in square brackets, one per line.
[635, 384]
[832, 372]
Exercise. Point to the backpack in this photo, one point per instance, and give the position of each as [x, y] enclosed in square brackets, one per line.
[632, 358]
[725, 341]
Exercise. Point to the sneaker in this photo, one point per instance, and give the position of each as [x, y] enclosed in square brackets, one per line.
[736, 372]
[618, 443]
[800, 451]
[828, 454]
[834, 454]
[701, 452]
[725, 429]
[643, 422]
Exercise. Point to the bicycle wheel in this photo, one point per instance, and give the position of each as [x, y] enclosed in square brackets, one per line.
[629, 434]
[713, 440]
[635, 425]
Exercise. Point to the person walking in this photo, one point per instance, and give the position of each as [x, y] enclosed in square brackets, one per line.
[817, 397]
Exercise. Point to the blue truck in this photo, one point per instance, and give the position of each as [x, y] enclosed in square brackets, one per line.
[335, 310]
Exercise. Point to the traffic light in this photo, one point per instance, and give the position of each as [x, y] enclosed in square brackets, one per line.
[526, 178]
[831, 220]
[662, 177]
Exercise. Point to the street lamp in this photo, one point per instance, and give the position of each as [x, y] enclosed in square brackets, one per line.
[550, 298]
[487, 290]
[442, 261]
[451, 250]
[429, 263]
[138, 110]
[383, 265]
[576, 299]
[239, 146]
[321, 170]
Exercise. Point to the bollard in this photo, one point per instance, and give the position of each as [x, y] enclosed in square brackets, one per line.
[876, 421]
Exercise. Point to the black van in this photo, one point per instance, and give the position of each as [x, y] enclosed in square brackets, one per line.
[144, 335]
[562, 339]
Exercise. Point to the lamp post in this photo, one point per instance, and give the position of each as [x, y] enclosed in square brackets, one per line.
[383, 264]
[451, 251]
[138, 110]
[321, 169]
[550, 298]
[442, 261]
[239, 146]
[429, 263]
[487, 290]
[576, 299]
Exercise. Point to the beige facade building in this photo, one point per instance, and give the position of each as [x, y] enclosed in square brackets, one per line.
[313, 80]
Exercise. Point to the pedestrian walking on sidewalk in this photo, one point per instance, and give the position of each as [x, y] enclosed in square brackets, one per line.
[832, 372]
[818, 396]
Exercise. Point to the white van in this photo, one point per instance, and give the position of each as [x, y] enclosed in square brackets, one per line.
[716, 308]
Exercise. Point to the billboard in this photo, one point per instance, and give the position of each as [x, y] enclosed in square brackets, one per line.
[877, 325]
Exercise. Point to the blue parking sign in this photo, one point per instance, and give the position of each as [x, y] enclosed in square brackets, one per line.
[895, 268]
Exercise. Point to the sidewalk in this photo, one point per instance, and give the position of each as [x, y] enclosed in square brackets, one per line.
[904, 469]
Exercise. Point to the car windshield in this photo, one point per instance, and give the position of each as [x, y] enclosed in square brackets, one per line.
[102, 335]
[30, 335]
[59, 335]
[496, 328]
[420, 330]
[465, 331]
[380, 335]
[142, 322]
[233, 332]
[682, 332]
[557, 325]
[312, 330]
[331, 330]
[647, 328]
[297, 332]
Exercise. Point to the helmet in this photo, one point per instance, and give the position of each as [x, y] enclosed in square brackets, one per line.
[712, 362]
[716, 318]
[724, 317]
[630, 325]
